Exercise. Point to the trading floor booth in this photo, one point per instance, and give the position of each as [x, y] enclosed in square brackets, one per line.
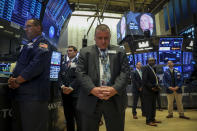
[5, 98]
[5, 103]
[176, 49]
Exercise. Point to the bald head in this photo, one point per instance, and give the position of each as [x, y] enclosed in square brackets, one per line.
[151, 61]
[170, 64]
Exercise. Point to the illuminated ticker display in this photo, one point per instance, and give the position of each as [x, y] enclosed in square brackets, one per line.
[170, 44]
[143, 57]
[18, 11]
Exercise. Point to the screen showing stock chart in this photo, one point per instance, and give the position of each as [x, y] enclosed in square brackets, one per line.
[55, 65]
[170, 49]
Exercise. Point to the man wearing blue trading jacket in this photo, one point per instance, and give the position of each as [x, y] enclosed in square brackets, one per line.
[102, 71]
[173, 82]
[30, 81]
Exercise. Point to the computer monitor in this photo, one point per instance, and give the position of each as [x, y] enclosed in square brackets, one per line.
[143, 57]
[56, 14]
[130, 60]
[174, 56]
[170, 44]
[18, 11]
[188, 68]
[138, 23]
[178, 68]
[187, 57]
[5, 68]
[55, 65]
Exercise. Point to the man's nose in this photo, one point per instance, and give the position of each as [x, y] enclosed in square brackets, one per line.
[103, 40]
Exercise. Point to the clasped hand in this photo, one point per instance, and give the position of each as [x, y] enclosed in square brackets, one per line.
[174, 88]
[66, 90]
[12, 83]
[103, 92]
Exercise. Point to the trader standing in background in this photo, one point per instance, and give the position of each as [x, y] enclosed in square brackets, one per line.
[150, 90]
[70, 89]
[173, 82]
[30, 81]
[102, 71]
[137, 90]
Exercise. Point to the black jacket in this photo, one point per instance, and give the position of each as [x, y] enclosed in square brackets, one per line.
[67, 76]
[149, 81]
[137, 82]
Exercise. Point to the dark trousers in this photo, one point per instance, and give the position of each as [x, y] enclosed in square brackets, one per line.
[113, 118]
[136, 97]
[71, 113]
[158, 99]
[30, 116]
[150, 107]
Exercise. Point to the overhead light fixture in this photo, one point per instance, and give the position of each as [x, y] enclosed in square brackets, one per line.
[1, 27]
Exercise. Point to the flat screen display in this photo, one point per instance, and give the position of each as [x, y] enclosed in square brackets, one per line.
[55, 65]
[170, 44]
[130, 60]
[5, 68]
[56, 13]
[143, 57]
[174, 56]
[121, 29]
[187, 57]
[18, 11]
[137, 23]
[188, 68]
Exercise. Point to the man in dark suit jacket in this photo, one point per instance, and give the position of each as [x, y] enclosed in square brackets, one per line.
[137, 90]
[173, 83]
[150, 89]
[101, 95]
[70, 89]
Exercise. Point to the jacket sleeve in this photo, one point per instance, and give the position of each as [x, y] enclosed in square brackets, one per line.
[145, 79]
[121, 81]
[82, 72]
[40, 60]
[135, 81]
[60, 74]
[75, 83]
[165, 80]
[180, 81]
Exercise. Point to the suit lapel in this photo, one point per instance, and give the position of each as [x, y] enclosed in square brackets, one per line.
[169, 72]
[138, 75]
[111, 60]
[96, 59]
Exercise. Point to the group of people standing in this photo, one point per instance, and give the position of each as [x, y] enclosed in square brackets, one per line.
[146, 87]
[93, 84]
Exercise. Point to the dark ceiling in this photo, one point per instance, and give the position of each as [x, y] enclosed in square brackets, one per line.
[119, 6]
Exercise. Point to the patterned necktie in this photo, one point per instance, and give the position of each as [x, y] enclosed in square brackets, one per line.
[106, 75]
